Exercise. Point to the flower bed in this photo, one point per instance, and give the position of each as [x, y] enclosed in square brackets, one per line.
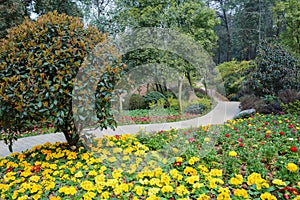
[153, 119]
[35, 131]
[255, 158]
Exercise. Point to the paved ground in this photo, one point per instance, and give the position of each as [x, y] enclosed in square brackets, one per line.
[222, 111]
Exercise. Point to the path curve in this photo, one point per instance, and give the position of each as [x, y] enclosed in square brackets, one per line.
[223, 111]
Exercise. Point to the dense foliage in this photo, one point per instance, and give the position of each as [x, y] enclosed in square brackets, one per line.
[275, 70]
[39, 61]
[233, 76]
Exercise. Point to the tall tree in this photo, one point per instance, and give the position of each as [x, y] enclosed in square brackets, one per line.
[225, 10]
[244, 24]
[288, 23]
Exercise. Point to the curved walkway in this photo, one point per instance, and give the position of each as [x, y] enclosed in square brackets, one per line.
[222, 112]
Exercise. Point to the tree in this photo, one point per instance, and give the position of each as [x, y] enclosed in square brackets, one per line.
[11, 14]
[253, 24]
[39, 61]
[275, 70]
[189, 17]
[287, 15]
[225, 11]
[98, 13]
[244, 24]
[41, 7]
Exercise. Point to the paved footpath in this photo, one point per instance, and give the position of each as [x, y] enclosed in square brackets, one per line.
[222, 112]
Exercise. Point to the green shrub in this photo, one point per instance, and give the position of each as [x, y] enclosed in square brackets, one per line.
[195, 109]
[288, 96]
[267, 105]
[233, 75]
[39, 61]
[200, 93]
[153, 97]
[174, 103]
[136, 101]
[292, 107]
[252, 101]
[275, 70]
[206, 102]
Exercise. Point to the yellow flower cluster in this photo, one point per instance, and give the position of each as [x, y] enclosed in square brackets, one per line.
[267, 196]
[67, 190]
[256, 179]
[232, 154]
[241, 193]
[224, 194]
[292, 167]
[237, 179]
[278, 182]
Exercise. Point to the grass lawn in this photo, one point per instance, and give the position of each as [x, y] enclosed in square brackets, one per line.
[255, 158]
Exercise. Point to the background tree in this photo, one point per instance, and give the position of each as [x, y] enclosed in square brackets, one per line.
[41, 7]
[11, 14]
[99, 13]
[287, 15]
[189, 17]
[39, 61]
[244, 24]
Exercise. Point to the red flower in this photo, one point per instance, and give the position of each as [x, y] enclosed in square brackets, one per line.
[36, 168]
[177, 164]
[266, 123]
[241, 144]
[281, 133]
[286, 196]
[9, 169]
[293, 149]
[290, 126]
[117, 136]
[227, 135]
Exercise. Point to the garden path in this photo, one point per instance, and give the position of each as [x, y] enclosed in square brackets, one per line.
[223, 111]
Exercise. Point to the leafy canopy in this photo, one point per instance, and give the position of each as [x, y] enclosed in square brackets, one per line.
[39, 61]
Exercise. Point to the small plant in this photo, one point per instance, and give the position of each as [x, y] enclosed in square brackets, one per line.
[292, 107]
[136, 101]
[288, 95]
[251, 101]
[153, 97]
[195, 109]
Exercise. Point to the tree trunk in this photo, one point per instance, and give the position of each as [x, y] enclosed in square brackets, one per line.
[71, 139]
[180, 93]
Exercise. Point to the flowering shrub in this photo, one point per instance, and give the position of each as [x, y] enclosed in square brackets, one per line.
[166, 165]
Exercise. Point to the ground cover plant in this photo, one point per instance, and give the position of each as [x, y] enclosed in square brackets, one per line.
[254, 158]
